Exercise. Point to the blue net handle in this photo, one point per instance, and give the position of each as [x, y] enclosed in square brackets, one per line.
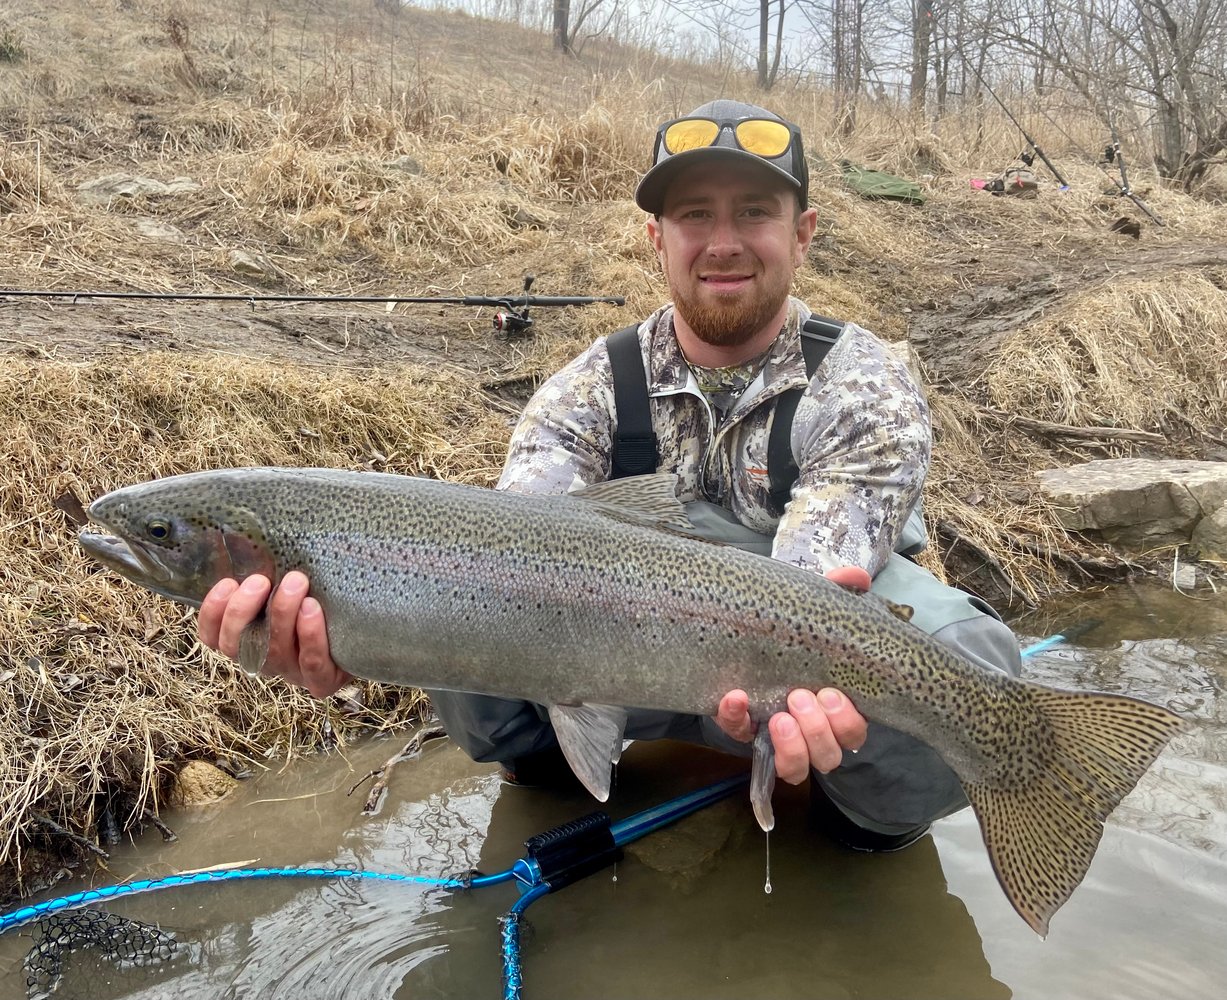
[27, 914]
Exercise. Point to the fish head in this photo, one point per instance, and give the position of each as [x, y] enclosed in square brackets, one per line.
[177, 537]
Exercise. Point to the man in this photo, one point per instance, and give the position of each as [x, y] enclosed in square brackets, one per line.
[727, 197]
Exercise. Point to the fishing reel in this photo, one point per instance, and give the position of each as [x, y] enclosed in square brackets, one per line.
[513, 321]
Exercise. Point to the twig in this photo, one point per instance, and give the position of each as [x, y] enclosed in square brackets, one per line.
[1068, 430]
[949, 531]
[168, 835]
[1174, 411]
[383, 774]
[76, 838]
[1086, 565]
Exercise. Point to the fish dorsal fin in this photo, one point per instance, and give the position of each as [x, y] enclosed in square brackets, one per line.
[647, 500]
[591, 739]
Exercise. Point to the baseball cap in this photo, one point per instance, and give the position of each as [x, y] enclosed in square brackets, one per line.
[729, 130]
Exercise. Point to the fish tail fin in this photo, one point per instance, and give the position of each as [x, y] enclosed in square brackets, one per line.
[1043, 824]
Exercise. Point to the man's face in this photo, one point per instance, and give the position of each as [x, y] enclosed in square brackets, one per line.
[729, 239]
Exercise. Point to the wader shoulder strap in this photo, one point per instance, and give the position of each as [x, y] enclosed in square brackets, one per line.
[818, 336]
[634, 442]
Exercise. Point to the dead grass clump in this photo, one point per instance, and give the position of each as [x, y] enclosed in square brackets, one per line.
[292, 177]
[105, 690]
[992, 525]
[21, 178]
[1130, 354]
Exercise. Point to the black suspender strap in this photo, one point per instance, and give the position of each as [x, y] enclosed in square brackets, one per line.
[818, 336]
[634, 443]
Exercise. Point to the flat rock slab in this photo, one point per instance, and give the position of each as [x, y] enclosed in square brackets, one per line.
[1141, 504]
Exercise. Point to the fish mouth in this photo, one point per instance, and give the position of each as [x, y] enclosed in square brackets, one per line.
[129, 559]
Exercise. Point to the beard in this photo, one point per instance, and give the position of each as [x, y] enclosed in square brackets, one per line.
[736, 319]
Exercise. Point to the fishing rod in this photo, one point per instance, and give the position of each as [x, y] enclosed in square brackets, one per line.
[1115, 153]
[511, 316]
[1026, 157]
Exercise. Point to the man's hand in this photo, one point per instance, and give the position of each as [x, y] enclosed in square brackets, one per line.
[298, 641]
[817, 727]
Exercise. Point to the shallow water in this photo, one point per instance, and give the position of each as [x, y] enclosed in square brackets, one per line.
[684, 914]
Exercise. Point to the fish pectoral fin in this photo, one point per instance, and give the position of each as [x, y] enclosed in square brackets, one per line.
[253, 645]
[762, 778]
[591, 739]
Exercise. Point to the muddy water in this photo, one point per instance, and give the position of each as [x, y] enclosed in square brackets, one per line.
[684, 914]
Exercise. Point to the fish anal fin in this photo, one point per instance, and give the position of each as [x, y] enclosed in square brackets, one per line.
[1042, 825]
[590, 737]
[762, 778]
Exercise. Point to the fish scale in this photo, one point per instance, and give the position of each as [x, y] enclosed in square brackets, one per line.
[599, 600]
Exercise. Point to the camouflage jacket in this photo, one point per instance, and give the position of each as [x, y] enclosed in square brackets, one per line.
[860, 436]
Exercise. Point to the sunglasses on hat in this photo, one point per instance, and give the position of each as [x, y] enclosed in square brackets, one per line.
[765, 137]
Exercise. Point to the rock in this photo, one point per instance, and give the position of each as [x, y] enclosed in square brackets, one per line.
[114, 186]
[1140, 504]
[154, 229]
[245, 263]
[1185, 577]
[684, 850]
[1209, 538]
[407, 164]
[198, 783]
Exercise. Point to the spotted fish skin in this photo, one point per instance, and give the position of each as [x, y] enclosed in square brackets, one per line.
[600, 599]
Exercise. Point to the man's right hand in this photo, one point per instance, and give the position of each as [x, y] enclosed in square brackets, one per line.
[298, 640]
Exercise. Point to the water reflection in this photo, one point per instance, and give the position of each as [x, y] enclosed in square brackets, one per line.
[684, 914]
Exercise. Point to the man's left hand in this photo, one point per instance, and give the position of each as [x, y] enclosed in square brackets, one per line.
[818, 726]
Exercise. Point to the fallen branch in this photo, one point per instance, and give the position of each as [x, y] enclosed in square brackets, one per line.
[1068, 430]
[76, 838]
[383, 774]
[1089, 566]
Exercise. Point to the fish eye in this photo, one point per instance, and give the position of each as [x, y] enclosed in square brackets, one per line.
[158, 529]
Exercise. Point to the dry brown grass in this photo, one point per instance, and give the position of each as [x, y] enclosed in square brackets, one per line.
[1130, 354]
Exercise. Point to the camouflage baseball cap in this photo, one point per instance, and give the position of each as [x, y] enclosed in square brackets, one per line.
[728, 130]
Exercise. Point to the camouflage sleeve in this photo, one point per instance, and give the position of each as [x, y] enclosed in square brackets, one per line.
[862, 437]
[564, 440]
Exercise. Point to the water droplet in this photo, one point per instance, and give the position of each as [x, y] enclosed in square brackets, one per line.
[767, 883]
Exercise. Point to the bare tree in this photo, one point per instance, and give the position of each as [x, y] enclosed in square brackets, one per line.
[570, 20]
[727, 18]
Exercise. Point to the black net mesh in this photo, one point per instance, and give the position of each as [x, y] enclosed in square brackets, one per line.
[119, 940]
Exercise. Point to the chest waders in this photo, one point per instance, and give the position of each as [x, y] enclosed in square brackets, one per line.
[895, 784]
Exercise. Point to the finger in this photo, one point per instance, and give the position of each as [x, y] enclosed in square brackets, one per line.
[733, 716]
[320, 675]
[241, 610]
[823, 749]
[283, 611]
[791, 752]
[847, 724]
[212, 608]
[852, 577]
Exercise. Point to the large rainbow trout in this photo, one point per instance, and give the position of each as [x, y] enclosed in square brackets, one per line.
[600, 599]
